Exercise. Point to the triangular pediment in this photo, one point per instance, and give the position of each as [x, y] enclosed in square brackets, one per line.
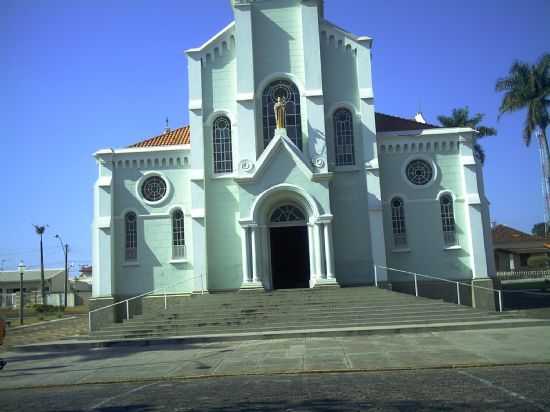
[281, 153]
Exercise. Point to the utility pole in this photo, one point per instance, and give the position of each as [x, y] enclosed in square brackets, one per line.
[66, 273]
[65, 248]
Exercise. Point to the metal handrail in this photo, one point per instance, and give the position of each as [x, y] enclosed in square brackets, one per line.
[458, 283]
[127, 301]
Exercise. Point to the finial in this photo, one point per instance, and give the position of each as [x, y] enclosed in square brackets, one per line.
[167, 128]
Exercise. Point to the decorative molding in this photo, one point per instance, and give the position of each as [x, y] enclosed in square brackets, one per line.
[468, 160]
[319, 163]
[198, 213]
[104, 181]
[246, 166]
[366, 93]
[372, 165]
[103, 222]
[195, 104]
[245, 97]
[473, 199]
[314, 93]
[197, 174]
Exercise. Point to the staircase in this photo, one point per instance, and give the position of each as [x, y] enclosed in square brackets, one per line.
[306, 311]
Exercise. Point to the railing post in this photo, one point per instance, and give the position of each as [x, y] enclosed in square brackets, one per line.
[375, 276]
[89, 323]
[415, 285]
[128, 310]
[458, 293]
[500, 300]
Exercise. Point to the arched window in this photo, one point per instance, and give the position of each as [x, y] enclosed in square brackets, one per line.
[448, 220]
[130, 221]
[287, 213]
[223, 154]
[343, 138]
[289, 91]
[398, 223]
[178, 235]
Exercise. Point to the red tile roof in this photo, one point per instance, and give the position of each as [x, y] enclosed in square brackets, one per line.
[384, 123]
[387, 123]
[177, 136]
[502, 233]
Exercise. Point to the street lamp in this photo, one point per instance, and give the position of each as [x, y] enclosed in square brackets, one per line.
[65, 248]
[21, 267]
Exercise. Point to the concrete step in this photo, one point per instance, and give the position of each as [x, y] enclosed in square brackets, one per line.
[301, 322]
[286, 327]
[267, 317]
[286, 311]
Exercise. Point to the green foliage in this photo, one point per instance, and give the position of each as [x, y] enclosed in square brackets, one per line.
[538, 262]
[46, 308]
[461, 118]
[539, 229]
[528, 87]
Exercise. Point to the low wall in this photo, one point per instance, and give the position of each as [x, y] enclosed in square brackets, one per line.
[103, 317]
[448, 292]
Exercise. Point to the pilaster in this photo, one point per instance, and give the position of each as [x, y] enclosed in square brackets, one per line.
[370, 156]
[198, 203]
[315, 105]
[245, 84]
[103, 259]
[481, 259]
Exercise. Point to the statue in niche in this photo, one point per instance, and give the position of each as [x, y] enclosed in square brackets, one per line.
[280, 112]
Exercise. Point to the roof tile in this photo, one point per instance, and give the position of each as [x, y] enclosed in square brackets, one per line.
[384, 123]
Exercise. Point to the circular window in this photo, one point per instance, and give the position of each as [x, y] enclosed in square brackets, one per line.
[419, 172]
[153, 188]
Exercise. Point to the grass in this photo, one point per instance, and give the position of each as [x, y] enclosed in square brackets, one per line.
[30, 316]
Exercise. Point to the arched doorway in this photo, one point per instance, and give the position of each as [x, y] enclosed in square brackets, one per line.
[289, 248]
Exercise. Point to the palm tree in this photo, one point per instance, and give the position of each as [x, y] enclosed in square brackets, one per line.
[528, 87]
[40, 232]
[461, 118]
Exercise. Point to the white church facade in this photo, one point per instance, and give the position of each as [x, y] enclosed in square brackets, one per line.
[233, 202]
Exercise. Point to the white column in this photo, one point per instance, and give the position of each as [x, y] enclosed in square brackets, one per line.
[311, 244]
[318, 235]
[245, 255]
[370, 155]
[103, 250]
[481, 259]
[512, 262]
[329, 255]
[254, 241]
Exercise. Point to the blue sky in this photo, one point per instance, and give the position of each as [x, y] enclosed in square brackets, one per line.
[80, 75]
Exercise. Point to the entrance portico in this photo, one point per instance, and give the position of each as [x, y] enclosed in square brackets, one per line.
[264, 227]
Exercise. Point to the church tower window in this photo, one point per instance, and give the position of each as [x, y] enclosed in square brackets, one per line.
[289, 92]
[178, 235]
[130, 221]
[398, 223]
[223, 151]
[343, 136]
[448, 220]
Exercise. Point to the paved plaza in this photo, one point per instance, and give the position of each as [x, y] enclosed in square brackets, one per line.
[509, 346]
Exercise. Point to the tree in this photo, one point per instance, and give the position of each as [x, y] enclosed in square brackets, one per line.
[527, 87]
[461, 118]
[539, 229]
[40, 232]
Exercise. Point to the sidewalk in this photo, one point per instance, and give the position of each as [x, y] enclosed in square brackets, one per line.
[380, 352]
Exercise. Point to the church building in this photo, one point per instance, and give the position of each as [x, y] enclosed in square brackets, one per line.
[286, 177]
